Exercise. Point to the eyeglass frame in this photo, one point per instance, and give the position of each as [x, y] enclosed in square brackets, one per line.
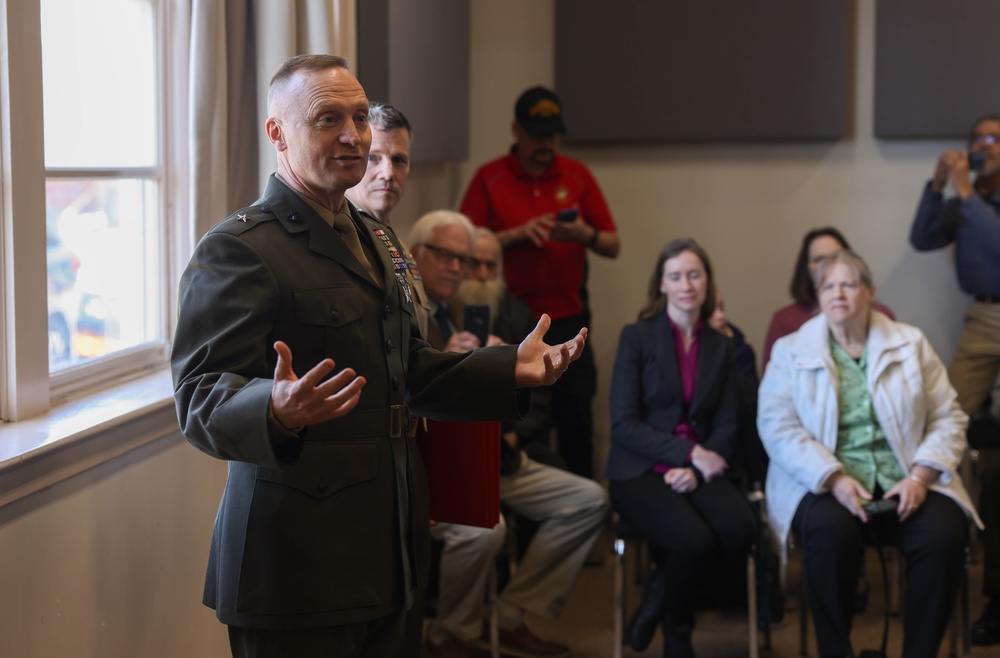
[989, 139]
[477, 263]
[447, 256]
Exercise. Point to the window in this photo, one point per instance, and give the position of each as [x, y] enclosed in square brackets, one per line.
[103, 176]
[102, 188]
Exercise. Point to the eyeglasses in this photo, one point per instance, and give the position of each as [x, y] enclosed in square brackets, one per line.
[447, 257]
[490, 265]
[988, 140]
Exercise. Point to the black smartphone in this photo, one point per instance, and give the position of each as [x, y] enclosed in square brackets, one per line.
[568, 215]
[880, 506]
[977, 161]
[477, 322]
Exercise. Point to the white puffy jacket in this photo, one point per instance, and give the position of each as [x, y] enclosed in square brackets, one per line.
[797, 413]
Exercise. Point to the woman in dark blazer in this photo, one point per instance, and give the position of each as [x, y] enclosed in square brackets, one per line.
[674, 413]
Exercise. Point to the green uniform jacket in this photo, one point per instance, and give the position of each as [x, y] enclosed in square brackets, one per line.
[328, 527]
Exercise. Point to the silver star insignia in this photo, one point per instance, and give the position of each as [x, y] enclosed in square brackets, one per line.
[241, 218]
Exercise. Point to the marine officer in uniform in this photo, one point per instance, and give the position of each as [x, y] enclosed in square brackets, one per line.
[297, 359]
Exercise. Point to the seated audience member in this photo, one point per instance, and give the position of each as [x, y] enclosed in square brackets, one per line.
[971, 220]
[510, 318]
[816, 245]
[674, 411]
[570, 509]
[855, 407]
[750, 455]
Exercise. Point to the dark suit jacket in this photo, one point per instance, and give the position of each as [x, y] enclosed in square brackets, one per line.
[328, 527]
[647, 399]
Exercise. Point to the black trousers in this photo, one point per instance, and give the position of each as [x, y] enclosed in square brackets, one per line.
[572, 398]
[989, 512]
[707, 531]
[932, 542]
[379, 638]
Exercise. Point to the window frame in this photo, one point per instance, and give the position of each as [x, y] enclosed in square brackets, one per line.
[27, 388]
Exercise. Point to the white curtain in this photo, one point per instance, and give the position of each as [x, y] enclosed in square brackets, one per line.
[235, 47]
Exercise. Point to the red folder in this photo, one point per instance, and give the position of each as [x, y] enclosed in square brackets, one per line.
[462, 461]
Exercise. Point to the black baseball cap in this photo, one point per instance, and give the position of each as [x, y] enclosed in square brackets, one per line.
[539, 112]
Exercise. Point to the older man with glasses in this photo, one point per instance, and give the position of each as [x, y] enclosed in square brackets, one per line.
[971, 220]
[459, 266]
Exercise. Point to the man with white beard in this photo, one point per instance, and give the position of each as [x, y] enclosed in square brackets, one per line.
[570, 509]
[510, 320]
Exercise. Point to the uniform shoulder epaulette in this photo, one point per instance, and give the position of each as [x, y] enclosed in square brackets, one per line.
[246, 218]
[366, 215]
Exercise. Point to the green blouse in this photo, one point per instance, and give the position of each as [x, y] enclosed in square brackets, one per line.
[861, 444]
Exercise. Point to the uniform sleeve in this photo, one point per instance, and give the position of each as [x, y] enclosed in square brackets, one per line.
[221, 372]
[476, 385]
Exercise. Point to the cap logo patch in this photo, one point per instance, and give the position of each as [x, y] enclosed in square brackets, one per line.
[544, 108]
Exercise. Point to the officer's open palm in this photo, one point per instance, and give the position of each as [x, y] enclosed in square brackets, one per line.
[539, 364]
[298, 402]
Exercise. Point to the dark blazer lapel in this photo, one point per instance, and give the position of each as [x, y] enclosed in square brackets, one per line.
[711, 353]
[666, 354]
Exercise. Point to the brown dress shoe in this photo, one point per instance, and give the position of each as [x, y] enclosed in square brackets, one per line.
[452, 647]
[522, 643]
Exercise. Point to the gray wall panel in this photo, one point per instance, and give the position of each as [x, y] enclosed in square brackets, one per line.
[937, 66]
[716, 70]
[415, 55]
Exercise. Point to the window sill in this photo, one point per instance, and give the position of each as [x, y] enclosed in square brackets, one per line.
[83, 433]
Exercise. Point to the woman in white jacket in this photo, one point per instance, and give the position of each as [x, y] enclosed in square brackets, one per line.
[855, 407]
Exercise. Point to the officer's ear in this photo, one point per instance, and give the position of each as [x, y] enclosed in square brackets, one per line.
[274, 133]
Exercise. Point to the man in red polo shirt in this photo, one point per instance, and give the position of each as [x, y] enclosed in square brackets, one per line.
[547, 211]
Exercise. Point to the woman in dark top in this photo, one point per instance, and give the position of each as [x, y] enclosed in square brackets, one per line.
[674, 410]
[817, 244]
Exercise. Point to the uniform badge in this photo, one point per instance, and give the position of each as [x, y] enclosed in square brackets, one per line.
[412, 264]
[398, 262]
[405, 284]
[562, 193]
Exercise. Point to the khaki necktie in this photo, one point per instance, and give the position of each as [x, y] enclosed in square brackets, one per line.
[344, 225]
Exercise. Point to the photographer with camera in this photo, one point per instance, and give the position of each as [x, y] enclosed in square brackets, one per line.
[971, 220]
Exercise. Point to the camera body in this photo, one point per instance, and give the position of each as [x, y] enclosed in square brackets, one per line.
[977, 161]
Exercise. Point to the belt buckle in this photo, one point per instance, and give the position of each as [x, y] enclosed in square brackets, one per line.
[397, 420]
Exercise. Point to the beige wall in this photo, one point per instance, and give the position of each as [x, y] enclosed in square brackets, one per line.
[749, 205]
[111, 562]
